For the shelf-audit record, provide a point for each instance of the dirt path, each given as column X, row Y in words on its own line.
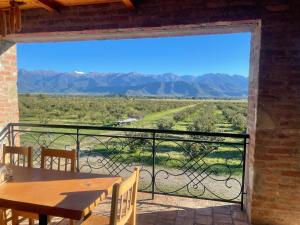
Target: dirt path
column 170, row 180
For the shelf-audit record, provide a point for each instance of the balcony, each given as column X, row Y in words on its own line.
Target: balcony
column 186, row 177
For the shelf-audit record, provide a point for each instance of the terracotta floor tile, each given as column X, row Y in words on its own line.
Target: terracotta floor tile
column 239, row 215
column 222, row 218
column 223, row 224
column 202, row 219
column 204, row 211
column 169, row 210
column 241, row 223
column 222, row 210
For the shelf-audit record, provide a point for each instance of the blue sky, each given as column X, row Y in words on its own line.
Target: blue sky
column 192, row 55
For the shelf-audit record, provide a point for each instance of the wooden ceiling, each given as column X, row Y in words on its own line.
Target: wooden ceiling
column 10, row 10
column 55, row 5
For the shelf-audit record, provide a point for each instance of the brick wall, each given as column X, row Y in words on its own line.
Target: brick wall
column 152, row 18
column 273, row 162
column 9, row 111
column 276, row 137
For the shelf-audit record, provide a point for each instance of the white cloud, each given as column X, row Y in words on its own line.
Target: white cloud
column 79, row 72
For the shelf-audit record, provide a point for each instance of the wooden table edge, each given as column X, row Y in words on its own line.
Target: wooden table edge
column 57, row 211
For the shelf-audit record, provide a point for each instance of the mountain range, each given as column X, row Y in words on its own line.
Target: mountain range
column 132, row 84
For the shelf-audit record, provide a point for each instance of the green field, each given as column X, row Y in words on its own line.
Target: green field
column 227, row 116
column 178, row 114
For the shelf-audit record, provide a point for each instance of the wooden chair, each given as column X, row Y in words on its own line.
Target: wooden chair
column 55, row 159
column 123, row 206
column 17, row 156
column 5, row 216
column 50, row 159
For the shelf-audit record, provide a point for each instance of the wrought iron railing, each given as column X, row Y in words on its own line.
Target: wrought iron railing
column 182, row 163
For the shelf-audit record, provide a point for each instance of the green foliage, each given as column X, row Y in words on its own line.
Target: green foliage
column 195, row 115
column 90, row 109
column 178, row 116
column 165, row 123
column 164, row 114
column 185, row 115
column 236, row 114
column 205, row 119
column 136, row 141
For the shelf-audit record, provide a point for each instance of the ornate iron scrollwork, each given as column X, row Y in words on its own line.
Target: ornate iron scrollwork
column 191, row 164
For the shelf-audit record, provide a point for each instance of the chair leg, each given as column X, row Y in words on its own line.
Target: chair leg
column 15, row 218
column 132, row 218
column 31, row 221
column 72, row 222
column 2, row 217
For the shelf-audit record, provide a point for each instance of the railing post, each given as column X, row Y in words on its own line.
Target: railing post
column 243, row 175
column 153, row 163
column 12, row 135
column 9, row 134
column 78, row 149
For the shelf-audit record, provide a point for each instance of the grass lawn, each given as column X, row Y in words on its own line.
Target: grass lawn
column 150, row 120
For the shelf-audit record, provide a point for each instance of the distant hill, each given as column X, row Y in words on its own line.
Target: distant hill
column 133, row 84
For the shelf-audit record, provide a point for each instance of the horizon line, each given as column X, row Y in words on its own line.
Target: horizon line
column 79, row 72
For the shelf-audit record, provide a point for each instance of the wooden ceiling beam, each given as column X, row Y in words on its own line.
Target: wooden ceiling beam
column 49, row 5
column 129, row 3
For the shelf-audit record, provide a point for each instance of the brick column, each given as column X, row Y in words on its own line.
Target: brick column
column 9, row 111
column 252, row 113
column 274, row 124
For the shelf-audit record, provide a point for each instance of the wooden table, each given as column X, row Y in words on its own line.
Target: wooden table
column 47, row 192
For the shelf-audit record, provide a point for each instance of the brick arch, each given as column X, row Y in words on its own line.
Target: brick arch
column 273, row 169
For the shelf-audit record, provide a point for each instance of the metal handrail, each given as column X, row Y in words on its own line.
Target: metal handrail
column 208, row 138
column 3, row 132
column 141, row 130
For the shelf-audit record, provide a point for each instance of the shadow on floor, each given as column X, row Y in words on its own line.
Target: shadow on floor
column 169, row 210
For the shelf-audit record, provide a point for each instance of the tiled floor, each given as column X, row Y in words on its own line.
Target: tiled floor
column 167, row 210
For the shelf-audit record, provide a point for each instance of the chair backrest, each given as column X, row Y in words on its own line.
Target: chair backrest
column 56, row 159
column 18, row 156
column 123, row 207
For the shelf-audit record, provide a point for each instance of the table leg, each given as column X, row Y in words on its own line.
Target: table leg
column 43, row 219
